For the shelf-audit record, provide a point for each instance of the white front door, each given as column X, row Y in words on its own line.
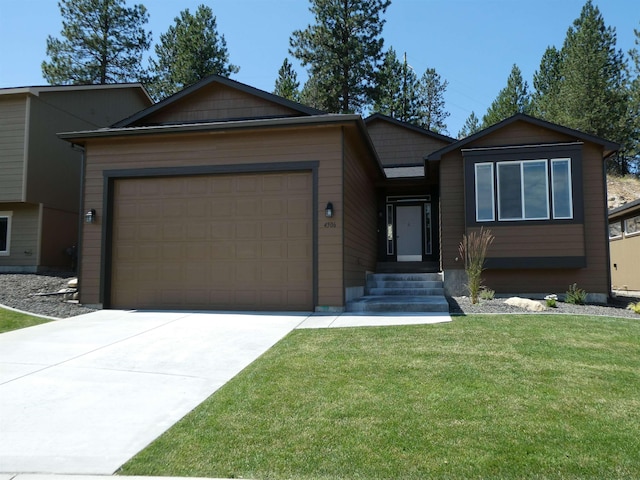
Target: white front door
column 409, row 233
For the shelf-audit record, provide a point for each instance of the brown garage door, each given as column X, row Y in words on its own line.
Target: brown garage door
column 240, row 242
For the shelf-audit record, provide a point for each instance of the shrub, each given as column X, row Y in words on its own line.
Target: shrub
column 487, row 293
column 634, row 307
column 576, row 295
column 473, row 250
column 552, row 301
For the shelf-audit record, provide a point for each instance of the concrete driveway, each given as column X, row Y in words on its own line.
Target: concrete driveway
column 83, row 395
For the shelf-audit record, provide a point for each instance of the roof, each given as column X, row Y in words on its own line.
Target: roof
column 213, row 79
column 625, row 209
column 609, row 147
column 37, row 90
column 410, row 126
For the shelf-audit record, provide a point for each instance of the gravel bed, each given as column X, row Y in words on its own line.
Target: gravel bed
column 17, row 291
column 463, row 305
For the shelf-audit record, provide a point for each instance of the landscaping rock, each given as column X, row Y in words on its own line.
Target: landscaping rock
column 525, row 303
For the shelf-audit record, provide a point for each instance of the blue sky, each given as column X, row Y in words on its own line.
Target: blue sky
column 471, row 43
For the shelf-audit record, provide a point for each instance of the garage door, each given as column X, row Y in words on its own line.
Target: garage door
column 240, row 242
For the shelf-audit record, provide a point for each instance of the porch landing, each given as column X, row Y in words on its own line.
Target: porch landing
column 401, row 292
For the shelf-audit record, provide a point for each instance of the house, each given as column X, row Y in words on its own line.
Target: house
column 227, row 197
column 40, row 174
column 541, row 190
column 624, row 245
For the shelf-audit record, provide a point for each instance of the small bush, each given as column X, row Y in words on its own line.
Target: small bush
column 552, row 301
column 634, row 307
column 576, row 295
column 473, row 250
column 487, row 293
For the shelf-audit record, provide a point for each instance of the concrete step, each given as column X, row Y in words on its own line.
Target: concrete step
column 398, row 303
column 398, row 277
column 398, row 267
column 405, row 291
column 402, row 284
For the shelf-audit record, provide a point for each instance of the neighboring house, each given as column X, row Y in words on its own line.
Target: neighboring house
column 40, row 175
column 624, row 245
column 227, row 197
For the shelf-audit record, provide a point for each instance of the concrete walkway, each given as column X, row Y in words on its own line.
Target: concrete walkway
column 85, row 394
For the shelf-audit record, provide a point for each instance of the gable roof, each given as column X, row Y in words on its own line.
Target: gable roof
column 211, row 80
column 609, row 147
column 410, row 126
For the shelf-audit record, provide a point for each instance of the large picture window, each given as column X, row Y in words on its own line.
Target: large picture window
column 632, row 225
column 5, row 232
column 523, row 190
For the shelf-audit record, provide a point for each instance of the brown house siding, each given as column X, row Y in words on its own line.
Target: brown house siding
column 59, row 232
column 218, row 102
column 180, row 150
column 13, row 118
column 539, row 240
column 398, row 145
column 360, row 230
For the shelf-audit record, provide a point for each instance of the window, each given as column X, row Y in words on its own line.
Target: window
column 632, row 225
column 615, row 230
column 520, row 190
column 5, row 232
column 523, row 190
column 485, row 209
column 561, row 188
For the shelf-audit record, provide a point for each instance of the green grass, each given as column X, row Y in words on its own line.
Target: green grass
column 10, row 320
column 529, row 396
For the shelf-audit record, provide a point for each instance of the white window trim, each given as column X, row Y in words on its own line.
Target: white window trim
column 615, row 237
column 553, row 192
column 522, row 217
column 7, row 215
column 626, row 232
column 493, row 193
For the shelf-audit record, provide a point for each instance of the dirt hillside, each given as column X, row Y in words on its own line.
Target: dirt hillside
column 622, row 190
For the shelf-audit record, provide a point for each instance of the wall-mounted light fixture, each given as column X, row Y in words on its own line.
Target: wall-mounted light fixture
column 328, row 211
column 90, row 216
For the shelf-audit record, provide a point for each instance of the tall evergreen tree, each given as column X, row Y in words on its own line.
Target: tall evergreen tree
column 287, row 84
column 471, row 126
column 189, row 51
column 633, row 145
column 512, row 99
column 592, row 95
column 342, row 51
column 103, row 41
column 431, row 110
column 396, row 94
column 546, row 84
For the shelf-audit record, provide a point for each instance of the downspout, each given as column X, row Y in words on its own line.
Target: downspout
column 82, row 151
column 606, row 227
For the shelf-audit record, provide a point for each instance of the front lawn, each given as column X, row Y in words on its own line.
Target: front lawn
column 10, row 320
column 517, row 396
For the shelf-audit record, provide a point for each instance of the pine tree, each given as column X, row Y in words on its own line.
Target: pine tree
column 592, row 94
column 633, row 144
column 396, row 94
column 431, row 107
column 471, row 126
column 546, row 84
column 189, row 51
column 512, row 99
column 342, row 50
column 103, row 41
column 287, row 84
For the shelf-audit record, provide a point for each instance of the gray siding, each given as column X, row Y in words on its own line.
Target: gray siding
column 25, row 227
column 12, row 140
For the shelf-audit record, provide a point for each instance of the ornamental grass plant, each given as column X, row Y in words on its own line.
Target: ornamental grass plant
column 473, row 250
